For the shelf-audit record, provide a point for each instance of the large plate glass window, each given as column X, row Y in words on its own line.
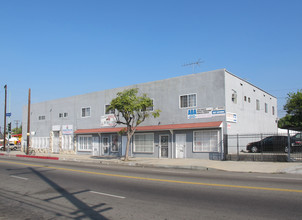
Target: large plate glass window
column 85, row 143
column 187, row 101
column 144, row 143
column 206, row 141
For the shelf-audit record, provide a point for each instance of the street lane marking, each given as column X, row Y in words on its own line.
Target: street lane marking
column 158, row 180
column 18, row 177
column 105, row 194
column 281, row 178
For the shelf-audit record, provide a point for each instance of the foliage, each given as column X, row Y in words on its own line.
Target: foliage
column 293, row 107
column 17, row 130
column 131, row 110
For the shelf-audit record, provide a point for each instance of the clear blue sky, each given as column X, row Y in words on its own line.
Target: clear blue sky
column 61, row 48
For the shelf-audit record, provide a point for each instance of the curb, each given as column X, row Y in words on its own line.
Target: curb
column 29, row 156
column 38, row 157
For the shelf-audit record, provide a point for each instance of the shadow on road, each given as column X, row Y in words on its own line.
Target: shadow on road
column 87, row 211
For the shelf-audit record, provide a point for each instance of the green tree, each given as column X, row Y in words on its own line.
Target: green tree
column 131, row 110
column 17, row 130
column 293, row 107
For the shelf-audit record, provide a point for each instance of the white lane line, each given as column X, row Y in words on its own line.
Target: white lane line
column 281, row 178
column 18, row 177
column 105, row 194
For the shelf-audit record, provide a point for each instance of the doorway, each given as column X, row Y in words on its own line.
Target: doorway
column 180, row 145
column 164, row 146
column 105, row 146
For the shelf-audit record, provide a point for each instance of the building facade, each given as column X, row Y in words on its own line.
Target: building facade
column 197, row 110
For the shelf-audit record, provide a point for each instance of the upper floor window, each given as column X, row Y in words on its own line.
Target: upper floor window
column 150, row 109
column 63, row 115
column 266, row 107
column 234, row 97
column 187, row 101
column 257, row 104
column 273, row 110
column 108, row 111
column 86, row 112
column 42, row 117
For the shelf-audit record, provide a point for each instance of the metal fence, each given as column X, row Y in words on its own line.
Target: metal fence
column 262, row 147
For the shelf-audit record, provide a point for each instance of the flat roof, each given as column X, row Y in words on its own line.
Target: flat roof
column 214, row 124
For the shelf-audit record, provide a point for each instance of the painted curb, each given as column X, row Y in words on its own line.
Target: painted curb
column 38, row 157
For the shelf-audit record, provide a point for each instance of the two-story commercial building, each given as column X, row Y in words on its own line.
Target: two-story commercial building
column 197, row 110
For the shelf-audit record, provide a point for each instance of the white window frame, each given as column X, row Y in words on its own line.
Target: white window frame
column 211, row 149
column 134, row 144
column 150, row 109
column 82, row 148
column 187, row 101
column 105, row 110
column 85, row 112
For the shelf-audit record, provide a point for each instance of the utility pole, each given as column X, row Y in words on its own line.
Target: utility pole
column 28, row 123
column 4, row 135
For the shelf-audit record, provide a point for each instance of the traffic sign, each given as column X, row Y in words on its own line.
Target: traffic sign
column 8, row 114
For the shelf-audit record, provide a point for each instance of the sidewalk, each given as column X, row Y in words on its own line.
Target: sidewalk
column 201, row 164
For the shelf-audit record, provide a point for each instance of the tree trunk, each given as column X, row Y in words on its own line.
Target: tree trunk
column 130, row 133
column 127, row 147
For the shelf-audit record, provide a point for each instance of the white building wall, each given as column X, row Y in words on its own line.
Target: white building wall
column 249, row 119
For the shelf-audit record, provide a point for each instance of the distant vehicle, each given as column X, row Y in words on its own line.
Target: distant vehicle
column 269, row 144
column 11, row 147
column 297, row 139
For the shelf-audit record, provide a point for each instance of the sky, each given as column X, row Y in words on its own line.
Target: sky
column 62, row 48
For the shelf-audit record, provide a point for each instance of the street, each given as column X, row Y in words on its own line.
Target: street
column 42, row 189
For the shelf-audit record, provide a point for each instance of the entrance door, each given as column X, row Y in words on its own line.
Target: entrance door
column 124, row 145
column 164, row 146
column 105, row 144
column 180, row 145
column 95, row 146
column 56, row 142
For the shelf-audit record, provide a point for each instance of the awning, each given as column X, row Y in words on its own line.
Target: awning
column 201, row 125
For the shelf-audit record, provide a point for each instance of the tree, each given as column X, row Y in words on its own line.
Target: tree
column 293, row 107
column 17, row 130
column 131, row 110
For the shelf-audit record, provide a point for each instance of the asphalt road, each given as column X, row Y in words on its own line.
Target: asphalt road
column 42, row 189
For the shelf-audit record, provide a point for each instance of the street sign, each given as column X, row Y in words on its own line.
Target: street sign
column 8, row 114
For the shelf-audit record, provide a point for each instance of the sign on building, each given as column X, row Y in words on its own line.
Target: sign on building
column 205, row 112
column 231, row 117
column 67, row 129
column 108, row 120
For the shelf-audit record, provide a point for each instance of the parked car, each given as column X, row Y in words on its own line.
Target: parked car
column 11, row 147
column 296, row 142
column 269, row 144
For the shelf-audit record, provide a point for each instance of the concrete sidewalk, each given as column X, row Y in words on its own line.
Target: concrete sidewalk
column 201, row 164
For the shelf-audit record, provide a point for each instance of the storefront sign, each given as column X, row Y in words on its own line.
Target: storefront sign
column 67, row 129
column 56, row 127
column 231, row 117
column 204, row 113
column 108, row 120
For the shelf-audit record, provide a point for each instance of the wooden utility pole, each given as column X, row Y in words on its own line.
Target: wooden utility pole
column 28, row 123
column 4, row 135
